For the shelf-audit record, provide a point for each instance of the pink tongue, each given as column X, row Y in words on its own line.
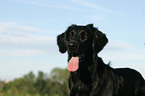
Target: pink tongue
column 73, row 64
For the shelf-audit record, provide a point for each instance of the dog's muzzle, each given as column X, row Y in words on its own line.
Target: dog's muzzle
column 73, row 48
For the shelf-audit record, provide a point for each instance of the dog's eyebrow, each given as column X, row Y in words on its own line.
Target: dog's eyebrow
column 72, row 31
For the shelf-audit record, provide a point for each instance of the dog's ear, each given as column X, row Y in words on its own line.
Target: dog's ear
column 61, row 43
column 99, row 39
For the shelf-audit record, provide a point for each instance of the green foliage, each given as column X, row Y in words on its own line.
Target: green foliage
column 54, row 84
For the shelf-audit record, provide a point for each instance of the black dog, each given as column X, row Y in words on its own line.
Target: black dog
column 94, row 77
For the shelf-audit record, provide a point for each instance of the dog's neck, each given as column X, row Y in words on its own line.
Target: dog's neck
column 94, row 68
column 97, row 67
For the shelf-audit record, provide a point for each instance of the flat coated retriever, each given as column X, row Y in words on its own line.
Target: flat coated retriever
column 89, row 75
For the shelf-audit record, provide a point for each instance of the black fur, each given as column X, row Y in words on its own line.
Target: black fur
column 94, row 77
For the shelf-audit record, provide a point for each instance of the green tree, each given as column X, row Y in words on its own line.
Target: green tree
column 30, row 79
column 54, row 84
column 40, row 83
column 61, row 76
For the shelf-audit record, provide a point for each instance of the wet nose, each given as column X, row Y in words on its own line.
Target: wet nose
column 72, row 45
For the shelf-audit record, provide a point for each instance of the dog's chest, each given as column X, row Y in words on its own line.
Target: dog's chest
column 82, row 89
column 80, row 84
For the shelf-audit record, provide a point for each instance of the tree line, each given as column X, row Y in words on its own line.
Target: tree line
column 54, row 84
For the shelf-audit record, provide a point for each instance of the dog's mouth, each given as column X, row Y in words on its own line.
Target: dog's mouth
column 74, row 53
column 73, row 63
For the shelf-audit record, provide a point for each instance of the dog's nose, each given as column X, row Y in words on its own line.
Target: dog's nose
column 73, row 46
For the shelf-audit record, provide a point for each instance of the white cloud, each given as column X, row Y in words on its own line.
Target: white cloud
column 22, row 40
column 124, row 55
column 21, row 52
column 91, row 5
column 53, row 4
column 117, row 45
column 69, row 5
column 5, row 26
column 13, row 33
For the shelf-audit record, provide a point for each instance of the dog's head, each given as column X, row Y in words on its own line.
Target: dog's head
column 78, row 40
column 82, row 42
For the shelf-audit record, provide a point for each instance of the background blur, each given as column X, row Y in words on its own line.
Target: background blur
column 28, row 30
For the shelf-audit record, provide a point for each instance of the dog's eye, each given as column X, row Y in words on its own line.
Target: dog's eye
column 84, row 35
column 71, row 34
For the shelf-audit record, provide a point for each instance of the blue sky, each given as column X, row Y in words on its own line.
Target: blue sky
column 28, row 30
